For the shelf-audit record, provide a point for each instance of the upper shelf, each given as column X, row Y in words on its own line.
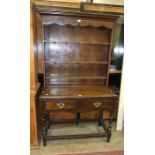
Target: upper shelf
column 93, row 43
column 79, row 62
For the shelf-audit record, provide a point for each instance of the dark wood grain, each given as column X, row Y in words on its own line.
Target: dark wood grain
column 76, row 81
column 77, row 50
column 77, row 92
column 74, row 56
column 74, row 21
column 75, row 69
column 69, row 33
column 40, row 43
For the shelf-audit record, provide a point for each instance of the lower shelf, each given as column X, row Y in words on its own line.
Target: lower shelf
column 77, row 136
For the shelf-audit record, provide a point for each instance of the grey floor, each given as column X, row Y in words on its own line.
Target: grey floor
column 81, row 145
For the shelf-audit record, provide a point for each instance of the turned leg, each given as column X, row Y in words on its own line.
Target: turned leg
column 100, row 118
column 44, row 129
column 78, row 118
column 48, row 120
column 109, row 128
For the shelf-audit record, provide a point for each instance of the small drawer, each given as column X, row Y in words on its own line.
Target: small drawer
column 97, row 103
column 60, row 105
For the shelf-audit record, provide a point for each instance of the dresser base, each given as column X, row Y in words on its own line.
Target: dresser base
column 77, row 100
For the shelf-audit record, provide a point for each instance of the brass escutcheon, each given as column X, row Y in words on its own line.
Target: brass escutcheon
column 97, row 104
column 60, row 105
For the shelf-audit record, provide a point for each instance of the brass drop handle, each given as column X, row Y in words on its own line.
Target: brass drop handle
column 60, row 105
column 97, row 104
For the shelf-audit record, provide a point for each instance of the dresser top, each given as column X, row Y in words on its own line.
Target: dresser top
column 76, row 92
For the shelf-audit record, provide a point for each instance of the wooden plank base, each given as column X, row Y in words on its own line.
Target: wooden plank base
column 76, row 136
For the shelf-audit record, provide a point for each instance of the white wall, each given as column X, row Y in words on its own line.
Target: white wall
column 120, row 116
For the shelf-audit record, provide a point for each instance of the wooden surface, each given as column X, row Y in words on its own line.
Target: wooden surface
column 76, row 92
column 40, row 43
column 86, row 7
column 34, row 118
column 34, row 137
column 34, row 141
column 33, row 50
column 102, row 8
column 47, row 20
column 60, row 4
column 33, row 123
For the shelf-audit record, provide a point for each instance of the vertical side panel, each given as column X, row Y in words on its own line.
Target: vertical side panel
column 33, row 122
column 33, row 80
column 33, row 51
column 40, row 44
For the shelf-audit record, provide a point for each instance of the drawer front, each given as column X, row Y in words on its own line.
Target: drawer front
column 60, row 105
column 88, row 103
column 107, row 104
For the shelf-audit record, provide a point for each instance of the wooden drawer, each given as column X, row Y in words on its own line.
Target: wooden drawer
column 85, row 103
column 107, row 104
column 60, row 105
